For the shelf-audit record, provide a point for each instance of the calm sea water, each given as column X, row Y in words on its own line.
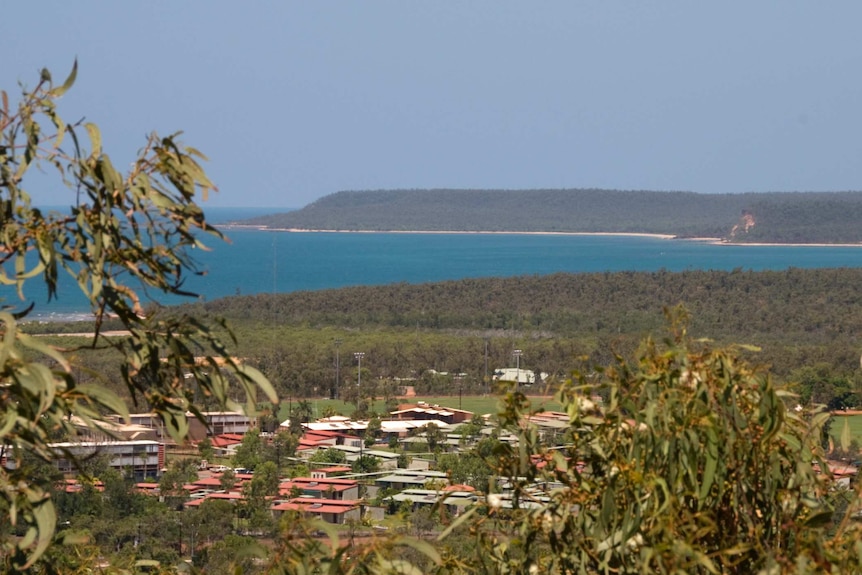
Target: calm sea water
column 267, row 262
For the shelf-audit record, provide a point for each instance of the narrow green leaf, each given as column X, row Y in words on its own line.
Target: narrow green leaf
column 460, row 520
column 46, row 518
column 9, row 335
column 711, row 463
column 60, row 90
column 105, row 397
column 819, row 519
column 36, row 344
column 177, row 427
column 260, row 380
column 422, row 547
column 39, row 380
column 399, row 566
column 846, row 437
column 9, row 420
column 328, row 529
column 749, row 347
column 74, row 538
column 707, row 563
column 95, row 139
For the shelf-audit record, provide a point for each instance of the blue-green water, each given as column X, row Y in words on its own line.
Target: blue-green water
column 266, row 262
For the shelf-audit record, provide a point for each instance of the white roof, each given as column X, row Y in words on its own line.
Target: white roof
column 357, row 450
column 387, row 426
column 514, row 374
column 428, row 410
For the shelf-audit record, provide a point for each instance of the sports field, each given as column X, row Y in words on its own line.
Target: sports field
column 853, row 421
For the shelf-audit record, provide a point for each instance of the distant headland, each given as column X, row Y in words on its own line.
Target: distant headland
column 829, row 218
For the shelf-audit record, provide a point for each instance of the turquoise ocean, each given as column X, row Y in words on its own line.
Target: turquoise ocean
column 258, row 261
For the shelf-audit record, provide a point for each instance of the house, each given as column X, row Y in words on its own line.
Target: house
column 425, row 412
column 148, row 488
column 230, row 497
column 386, row 459
column 321, row 488
column 331, row 471
column 329, row 510
column 453, row 500
column 411, row 479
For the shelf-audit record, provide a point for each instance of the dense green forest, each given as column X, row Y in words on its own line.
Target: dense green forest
column 783, row 217
column 806, row 322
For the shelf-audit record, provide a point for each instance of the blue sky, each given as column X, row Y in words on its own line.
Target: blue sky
column 296, row 100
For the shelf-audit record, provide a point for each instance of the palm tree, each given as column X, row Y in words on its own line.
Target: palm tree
column 304, row 411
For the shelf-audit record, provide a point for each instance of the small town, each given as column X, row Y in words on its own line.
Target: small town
column 430, row 288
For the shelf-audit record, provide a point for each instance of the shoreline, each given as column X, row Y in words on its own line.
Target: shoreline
column 708, row 240
column 451, row 232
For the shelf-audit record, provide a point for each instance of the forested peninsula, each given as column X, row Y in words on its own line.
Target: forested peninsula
column 773, row 217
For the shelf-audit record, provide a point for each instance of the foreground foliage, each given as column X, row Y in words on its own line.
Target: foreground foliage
column 692, row 462
column 124, row 238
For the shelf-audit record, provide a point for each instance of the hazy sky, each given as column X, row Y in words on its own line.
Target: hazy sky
column 296, row 100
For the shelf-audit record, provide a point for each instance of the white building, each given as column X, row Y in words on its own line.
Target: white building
column 522, row 376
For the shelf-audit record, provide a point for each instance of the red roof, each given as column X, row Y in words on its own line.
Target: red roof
column 231, row 496
column 74, row 486
column 310, row 505
column 149, row 488
column 459, row 487
column 322, row 434
column 325, row 480
column 334, row 469
column 310, row 443
column 208, row 482
column 322, row 484
column 226, row 440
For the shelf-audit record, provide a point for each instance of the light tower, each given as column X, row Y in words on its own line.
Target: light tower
column 359, row 355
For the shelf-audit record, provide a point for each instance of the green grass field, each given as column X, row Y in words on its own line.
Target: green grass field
column 854, row 422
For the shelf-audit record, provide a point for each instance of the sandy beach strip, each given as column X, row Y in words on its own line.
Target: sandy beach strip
column 452, row 232
column 709, row 240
